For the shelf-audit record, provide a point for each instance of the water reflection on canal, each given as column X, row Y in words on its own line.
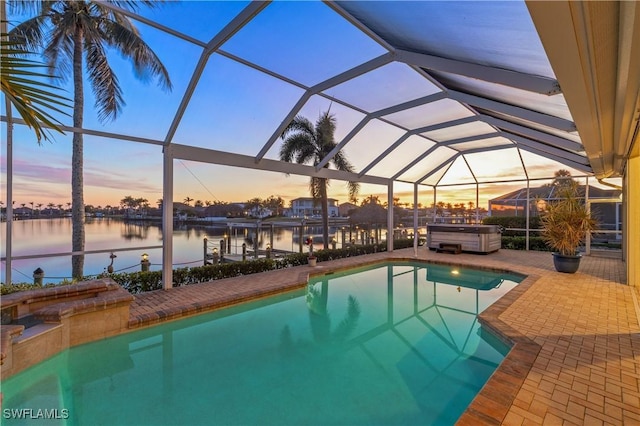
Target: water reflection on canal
column 43, row 236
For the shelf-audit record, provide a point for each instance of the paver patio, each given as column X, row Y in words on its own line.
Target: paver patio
column 577, row 354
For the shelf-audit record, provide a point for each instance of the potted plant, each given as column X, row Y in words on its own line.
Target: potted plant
column 565, row 224
column 312, row 259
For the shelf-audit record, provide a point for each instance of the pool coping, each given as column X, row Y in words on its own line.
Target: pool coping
column 491, row 405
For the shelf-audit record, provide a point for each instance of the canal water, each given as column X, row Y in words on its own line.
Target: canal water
column 128, row 241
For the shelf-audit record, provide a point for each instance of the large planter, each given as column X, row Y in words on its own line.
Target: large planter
column 566, row 263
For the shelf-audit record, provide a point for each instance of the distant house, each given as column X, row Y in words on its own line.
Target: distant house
column 605, row 203
column 224, row 210
column 345, row 209
column 305, row 207
column 22, row 212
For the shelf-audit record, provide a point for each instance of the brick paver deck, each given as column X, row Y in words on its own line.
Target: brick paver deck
column 576, row 358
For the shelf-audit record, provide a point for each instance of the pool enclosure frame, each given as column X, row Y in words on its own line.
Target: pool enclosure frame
column 602, row 101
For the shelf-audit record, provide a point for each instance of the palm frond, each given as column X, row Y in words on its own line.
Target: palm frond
column 325, row 130
column 29, row 33
column 134, row 5
column 354, row 189
column 293, row 145
column 350, row 322
column 307, row 153
column 59, row 52
column 341, row 162
column 30, row 6
column 314, row 189
column 299, row 124
column 104, row 82
column 34, row 100
column 129, row 43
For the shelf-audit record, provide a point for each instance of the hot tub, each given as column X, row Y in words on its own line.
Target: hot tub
column 472, row 238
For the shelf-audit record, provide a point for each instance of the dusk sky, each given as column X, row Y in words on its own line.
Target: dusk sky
column 236, row 109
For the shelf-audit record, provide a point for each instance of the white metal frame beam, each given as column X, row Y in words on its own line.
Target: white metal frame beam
column 540, row 146
column 466, row 139
column 386, row 152
column 91, row 132
column 210, row 156
column 343, row 142
column 447, row 124
column 530, row 133
column 561, row 160
column 236, row 24
column 418, row 131
column 488, row 148
column 320, row 87
column 528, row 82
column 414, row 162
column 514, row 111
column 380, row 113
column 576, row 161
column 153, row 24
column 410, row 104
column 448, row 163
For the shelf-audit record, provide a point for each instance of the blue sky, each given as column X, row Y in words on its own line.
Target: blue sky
column 234, row 108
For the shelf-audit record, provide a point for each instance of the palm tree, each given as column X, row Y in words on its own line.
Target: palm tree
column 70, row 31
column 187, row 200
column 304, row 143
column 371, row 199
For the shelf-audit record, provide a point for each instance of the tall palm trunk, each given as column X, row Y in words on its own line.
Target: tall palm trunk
column 325, row 212
column 77, row 180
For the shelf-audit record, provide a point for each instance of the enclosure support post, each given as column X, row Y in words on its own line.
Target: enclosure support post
column 477, row 202
column 9, row 208
column 300, row 236
column 587, row 203
column 390, row 216
column 204, row 256
column 527, row 206
column 9, row 160
column 415, row 220
column 435, row 206
column 167, row 218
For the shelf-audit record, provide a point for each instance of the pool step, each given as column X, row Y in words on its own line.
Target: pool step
column 36, row 331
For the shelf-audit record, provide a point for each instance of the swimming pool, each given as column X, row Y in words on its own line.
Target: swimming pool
column 393, row 343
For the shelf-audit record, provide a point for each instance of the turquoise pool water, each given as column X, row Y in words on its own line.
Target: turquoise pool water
column 395, row 343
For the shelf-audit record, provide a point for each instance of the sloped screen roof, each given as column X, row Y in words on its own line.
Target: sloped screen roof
column 415, row 86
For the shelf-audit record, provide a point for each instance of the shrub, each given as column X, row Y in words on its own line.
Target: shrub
column 16, row 287
column 520, row 243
